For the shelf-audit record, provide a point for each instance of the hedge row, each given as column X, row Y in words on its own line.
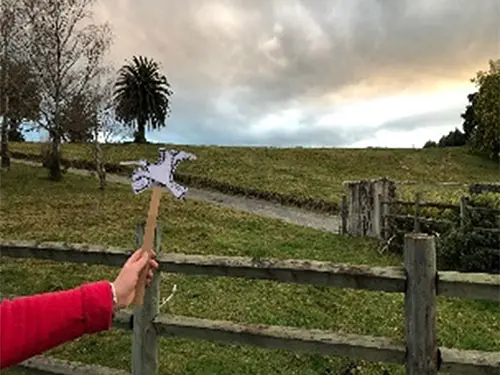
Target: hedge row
column 308, row 203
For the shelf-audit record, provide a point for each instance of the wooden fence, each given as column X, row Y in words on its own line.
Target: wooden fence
column 464, row 209
column 418, row 280
column 366, row 209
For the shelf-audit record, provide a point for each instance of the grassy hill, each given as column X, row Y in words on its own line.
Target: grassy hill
column 295, row 174
column 33, row 208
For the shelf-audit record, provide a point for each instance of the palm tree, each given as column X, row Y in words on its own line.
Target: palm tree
column 142, row 96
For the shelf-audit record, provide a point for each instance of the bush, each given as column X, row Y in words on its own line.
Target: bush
column 468, row 250
column 15, row 135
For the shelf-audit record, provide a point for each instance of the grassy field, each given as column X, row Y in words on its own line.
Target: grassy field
column 311, row 173
column 75, row 211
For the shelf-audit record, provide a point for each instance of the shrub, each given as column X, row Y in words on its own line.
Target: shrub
column 15, row 135
column 468, row 250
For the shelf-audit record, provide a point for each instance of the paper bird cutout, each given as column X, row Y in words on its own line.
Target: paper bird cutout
column 160, row 173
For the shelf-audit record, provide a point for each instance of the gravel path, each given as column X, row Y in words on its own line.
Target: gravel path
column 322, row 222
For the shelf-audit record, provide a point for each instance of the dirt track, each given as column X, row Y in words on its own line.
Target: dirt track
column 323, row 222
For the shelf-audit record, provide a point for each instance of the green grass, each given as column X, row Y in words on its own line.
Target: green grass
column 315, row 173
column 75, row 211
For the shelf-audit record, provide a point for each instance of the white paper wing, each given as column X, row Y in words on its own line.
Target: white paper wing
column 140, row 181
column 177, row 190
column 138, row 162
column 180, row 156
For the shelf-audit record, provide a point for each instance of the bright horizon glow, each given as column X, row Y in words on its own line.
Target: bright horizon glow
column 374, row 112
column 361, row 115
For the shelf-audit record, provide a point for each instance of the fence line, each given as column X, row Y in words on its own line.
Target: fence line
column 463, row 208
column 50, row 365
column 420, row 353
column 366, row 205
column 423, row 204
column 473, row 188
column 433, row 183
column 311, row 272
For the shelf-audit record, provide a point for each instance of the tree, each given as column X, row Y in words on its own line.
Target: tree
column 11, row 41
column 485, row 137
column 66, row 51
column 430, row 144
column 142, row 96
column 23, row 98
column 454, row 138
column 103, row 125
column 78, row 118
column 470, row 120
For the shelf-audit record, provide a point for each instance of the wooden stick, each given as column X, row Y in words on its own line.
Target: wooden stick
column 148, row 241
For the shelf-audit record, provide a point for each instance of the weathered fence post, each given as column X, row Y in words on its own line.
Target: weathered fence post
column 343, row 215
column 420, row 304
column 463, row 210
column 144, row 340
column 364, row 210
column 384, row 210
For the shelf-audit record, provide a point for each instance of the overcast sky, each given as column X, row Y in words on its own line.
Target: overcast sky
column 341, row 73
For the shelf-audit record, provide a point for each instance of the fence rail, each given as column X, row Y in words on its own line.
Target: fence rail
column 422, row 204
column 419, row 218
column 377, row 349
column 420, row 352
column 385, row 279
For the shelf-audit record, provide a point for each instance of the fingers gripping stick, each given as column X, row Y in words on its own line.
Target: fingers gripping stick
column 158, row 176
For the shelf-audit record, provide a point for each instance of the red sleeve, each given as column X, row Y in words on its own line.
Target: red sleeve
column 31, row 325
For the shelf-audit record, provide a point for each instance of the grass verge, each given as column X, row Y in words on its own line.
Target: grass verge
column 75, row 211
column 309, row 178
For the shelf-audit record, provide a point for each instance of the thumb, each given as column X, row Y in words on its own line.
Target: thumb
column 141, row 262
column 136, row 255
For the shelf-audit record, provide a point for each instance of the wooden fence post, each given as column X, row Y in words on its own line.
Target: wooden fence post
column 382, row 216
column 144, row 339
column 343, row 215
column 463, row 210
column 420, row 304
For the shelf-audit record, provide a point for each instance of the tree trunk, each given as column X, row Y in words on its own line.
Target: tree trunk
column 4, row 147
column 55, row 172
column 5, row 144
column 140, row 134
column 99, row 163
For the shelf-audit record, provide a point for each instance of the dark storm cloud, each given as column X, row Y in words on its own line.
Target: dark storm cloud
column 266, row 55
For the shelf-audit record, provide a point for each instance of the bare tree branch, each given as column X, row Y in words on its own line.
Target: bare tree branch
column 67, row 50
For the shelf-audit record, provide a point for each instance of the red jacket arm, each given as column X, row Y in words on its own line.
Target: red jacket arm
column 31, row 325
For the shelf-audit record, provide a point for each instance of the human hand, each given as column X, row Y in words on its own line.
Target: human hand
column 126, row 281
